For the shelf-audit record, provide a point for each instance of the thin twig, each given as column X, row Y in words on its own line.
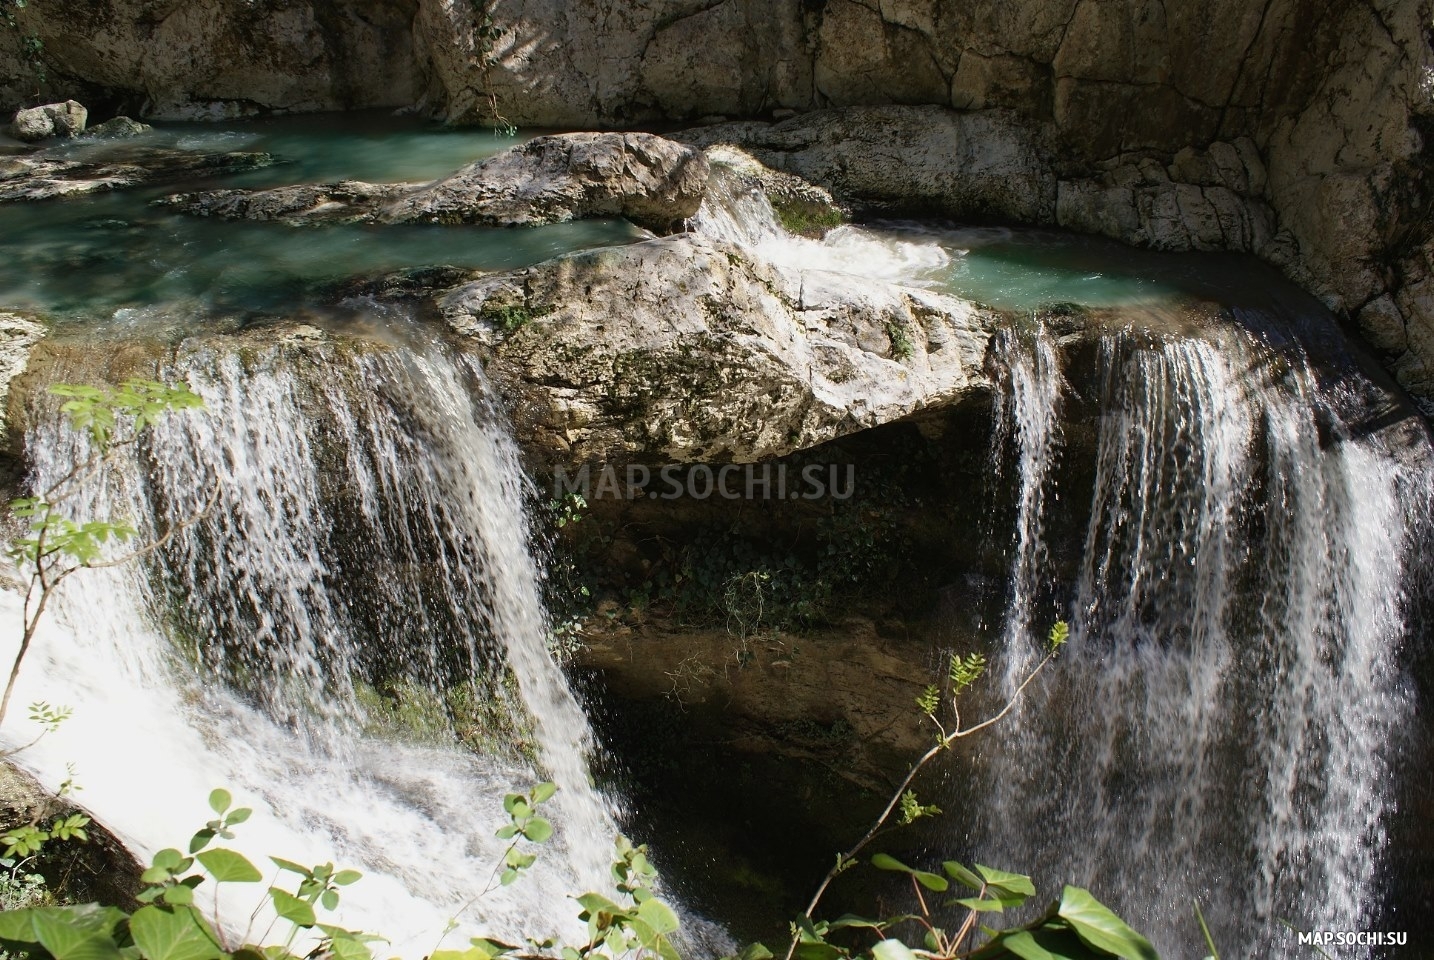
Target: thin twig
column 942, row 744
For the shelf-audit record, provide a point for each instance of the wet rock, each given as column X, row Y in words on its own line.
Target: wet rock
column 654, row 182
column 350, row 201
column 18, row 336
column 119, row 128
column 45, row 176
column 711, row 355
column 804, row 208
column 51, row 120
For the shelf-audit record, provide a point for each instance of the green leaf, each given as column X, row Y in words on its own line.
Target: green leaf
column 170, row 860
column 68, row 933
column 290, row 866
column 350, row 950
column 1094, row 923
column 884, row 861
column 892, row 950
column 226, row 866
column 237, row 816
column 220, row 800
column 178, row 895
column 659, row 916
column 1047, row 945
column 818, row 950
column 163, row 933
column 538, row 830
column 201, row 840
column 931, row 881
column 1015, row 884
column 293, row 909
column 330, row 899
column 755, row 951
column 981, row 905
column 962, row 875
column 544, row 791
column 345, row 877
column 16, row 927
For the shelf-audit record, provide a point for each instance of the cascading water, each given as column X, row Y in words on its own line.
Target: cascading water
column 742, row 215
column 368, row 531
column 1220, row 728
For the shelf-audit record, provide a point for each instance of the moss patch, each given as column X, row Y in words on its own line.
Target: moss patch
column 806, row 218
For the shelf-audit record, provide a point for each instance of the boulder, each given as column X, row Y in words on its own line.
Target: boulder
column 18, row 337
column 685, row 349
column 654, row 182
column 51, row 120
column 118, row 128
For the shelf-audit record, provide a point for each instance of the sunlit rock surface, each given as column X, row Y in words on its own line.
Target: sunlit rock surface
column 653, row 182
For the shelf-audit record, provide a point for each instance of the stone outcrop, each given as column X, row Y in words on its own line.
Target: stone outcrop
column 651, row 181
column 47, row 176
column 990, row 165
column 684, row 349
column 214, row 59
column 51, row 120
column 18, row 336
column 908, row 158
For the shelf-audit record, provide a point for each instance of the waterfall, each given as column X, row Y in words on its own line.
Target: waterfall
column 1220, row 728
column 736, row 213
column 368, row 531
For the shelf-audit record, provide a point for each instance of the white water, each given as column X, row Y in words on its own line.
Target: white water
column 744, row 216
column 1218, row 729
column 370, row 518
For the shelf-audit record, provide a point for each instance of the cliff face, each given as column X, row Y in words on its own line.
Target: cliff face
column 1296, row 129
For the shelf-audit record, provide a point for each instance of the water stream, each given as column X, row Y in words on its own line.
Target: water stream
column 1224, row 725
column 369, row 530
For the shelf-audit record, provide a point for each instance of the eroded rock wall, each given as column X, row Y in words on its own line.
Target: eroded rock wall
column 210, row 59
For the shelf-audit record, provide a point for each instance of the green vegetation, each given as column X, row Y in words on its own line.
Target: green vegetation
column 486, row 34
column 56, row 547
column 511, row 317
column 901, row 345
column 630, row 923
column 32, row 48
column 484, row 715
column 805, row 218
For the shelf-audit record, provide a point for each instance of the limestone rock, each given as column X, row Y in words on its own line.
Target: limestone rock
column 43, row 176
column 213, row 59
column 1383, row 325
column 51, row 120
column 709, row 354
column 119, row 128
column 654, row 182
column 18, row 337
column 983, row 164
column 349, row 201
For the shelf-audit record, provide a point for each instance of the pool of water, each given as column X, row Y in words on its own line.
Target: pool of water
column 88, row 258
column 117, row 256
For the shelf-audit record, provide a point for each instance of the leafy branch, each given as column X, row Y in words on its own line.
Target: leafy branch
column 56, row 547
column 962, row 672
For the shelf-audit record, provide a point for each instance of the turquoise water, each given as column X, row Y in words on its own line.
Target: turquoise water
column 86, row 258
column 110, row 255
column 1029, row 268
